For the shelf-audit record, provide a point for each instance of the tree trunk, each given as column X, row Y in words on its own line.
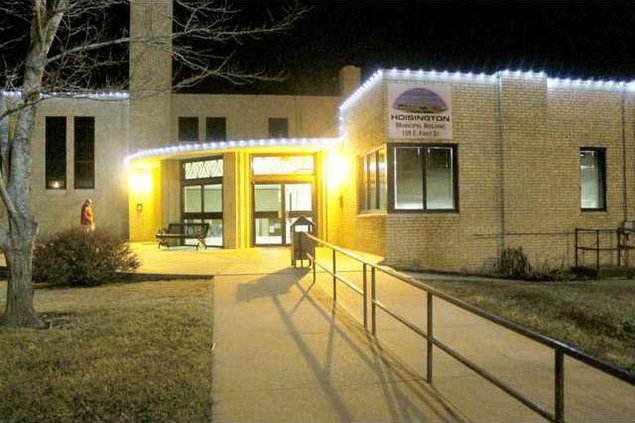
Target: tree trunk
column 19, row 310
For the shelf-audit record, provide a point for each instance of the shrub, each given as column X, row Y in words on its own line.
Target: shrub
column 78, row 258
column 513, row 263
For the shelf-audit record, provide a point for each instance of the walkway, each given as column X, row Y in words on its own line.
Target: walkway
column 283, row 354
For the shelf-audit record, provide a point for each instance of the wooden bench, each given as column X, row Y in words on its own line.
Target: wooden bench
column 183, row 231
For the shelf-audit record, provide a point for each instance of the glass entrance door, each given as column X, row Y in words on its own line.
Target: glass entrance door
column 276, row 207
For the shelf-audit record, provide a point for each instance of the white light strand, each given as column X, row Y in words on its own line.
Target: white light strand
column 408, row 74
column 365, row 87
column 223, row 145
column 101, row 95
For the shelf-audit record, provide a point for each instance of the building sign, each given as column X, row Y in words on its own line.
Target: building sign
column 419, row 111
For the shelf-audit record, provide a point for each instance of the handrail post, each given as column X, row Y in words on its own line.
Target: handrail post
column 618, row 239
column 300, row 251
column 430, row 339
column 373, row 298
column 334, row 278
column 365, row 291
column 597, row 251
column 577, row 264
column 313, row 262
column 559, row 387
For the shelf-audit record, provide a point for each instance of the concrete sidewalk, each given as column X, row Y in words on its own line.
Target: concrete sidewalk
column 282, row 355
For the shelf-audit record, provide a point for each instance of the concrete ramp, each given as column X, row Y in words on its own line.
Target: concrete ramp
column 283, row 354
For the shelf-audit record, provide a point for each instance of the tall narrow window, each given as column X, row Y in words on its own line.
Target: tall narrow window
column 383, row 185
column 188, row 129
column 84, row 152
column 439, row 178
column 593, row 179
column 215, row 129
column 202, row 196
column 372, row 189
column 278, row 127
column 55, row 152
column 425, row 178
column 408, row 178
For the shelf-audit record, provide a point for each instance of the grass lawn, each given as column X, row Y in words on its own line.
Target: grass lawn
column 598, row 317
column 125, row 352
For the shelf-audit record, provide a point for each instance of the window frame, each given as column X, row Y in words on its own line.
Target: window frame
column 364, row 186
column 391, row 148
column 48, row 147
column 283, row 176
column 215, row 180
column 178, row 128
column 76, row 146
column 278, row 119
column 208, row 120
column 601, row 151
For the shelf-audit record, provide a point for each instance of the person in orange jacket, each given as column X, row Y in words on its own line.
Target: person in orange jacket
column 87, row 219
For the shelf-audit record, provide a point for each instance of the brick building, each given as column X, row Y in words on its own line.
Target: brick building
column 433, row 170
column 519, row 159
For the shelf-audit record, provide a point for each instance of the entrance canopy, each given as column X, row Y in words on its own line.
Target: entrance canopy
column 249, row 191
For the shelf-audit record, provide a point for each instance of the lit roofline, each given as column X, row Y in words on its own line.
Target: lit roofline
column 99, row 95
column 478, row 77
column 224, row 145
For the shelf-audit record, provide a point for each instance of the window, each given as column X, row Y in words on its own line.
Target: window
column 188, row 129
column 373, row 183
column 282, row 165
column 593, row 179
column 84, row 152
column 203, row 169
column 278, row 127
column 425, row 178
column 55, row 152
column 215, row 129
column 202, row 196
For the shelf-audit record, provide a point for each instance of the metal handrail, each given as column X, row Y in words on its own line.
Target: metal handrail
column 596, row 248
column 560, row 348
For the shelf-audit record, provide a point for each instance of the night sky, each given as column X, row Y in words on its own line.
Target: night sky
column 563, row 38
column 569, row 39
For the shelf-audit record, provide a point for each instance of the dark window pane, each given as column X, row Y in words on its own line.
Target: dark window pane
column 55, row 152
column 372, row 182
column 364, row 185
column 592, row 179
column 84, row 152
column 439, row 178
column 408, row 178
column 215, row 129
column 383, row 185
column 278, row 127
column 188, row 129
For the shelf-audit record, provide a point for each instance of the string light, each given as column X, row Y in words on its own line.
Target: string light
column 100, row 95
column 407, row 74
column 222, row 145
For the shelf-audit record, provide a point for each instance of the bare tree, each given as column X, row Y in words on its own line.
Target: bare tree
column 66, row 45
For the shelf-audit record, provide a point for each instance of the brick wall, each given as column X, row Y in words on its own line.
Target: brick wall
column 59, row 209
column 518, row 139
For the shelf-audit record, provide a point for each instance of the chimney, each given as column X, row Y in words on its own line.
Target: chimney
column 350, row 79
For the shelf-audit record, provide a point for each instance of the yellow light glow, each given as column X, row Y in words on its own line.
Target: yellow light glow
column 140, row 182
column 338, row 170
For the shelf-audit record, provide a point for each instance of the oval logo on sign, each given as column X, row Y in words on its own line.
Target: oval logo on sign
column 420, row 100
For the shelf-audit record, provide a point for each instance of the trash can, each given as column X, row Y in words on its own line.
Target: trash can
column 301, row 246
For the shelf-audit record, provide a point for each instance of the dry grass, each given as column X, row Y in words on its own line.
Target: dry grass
column 596, row 316
column 126, row 352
